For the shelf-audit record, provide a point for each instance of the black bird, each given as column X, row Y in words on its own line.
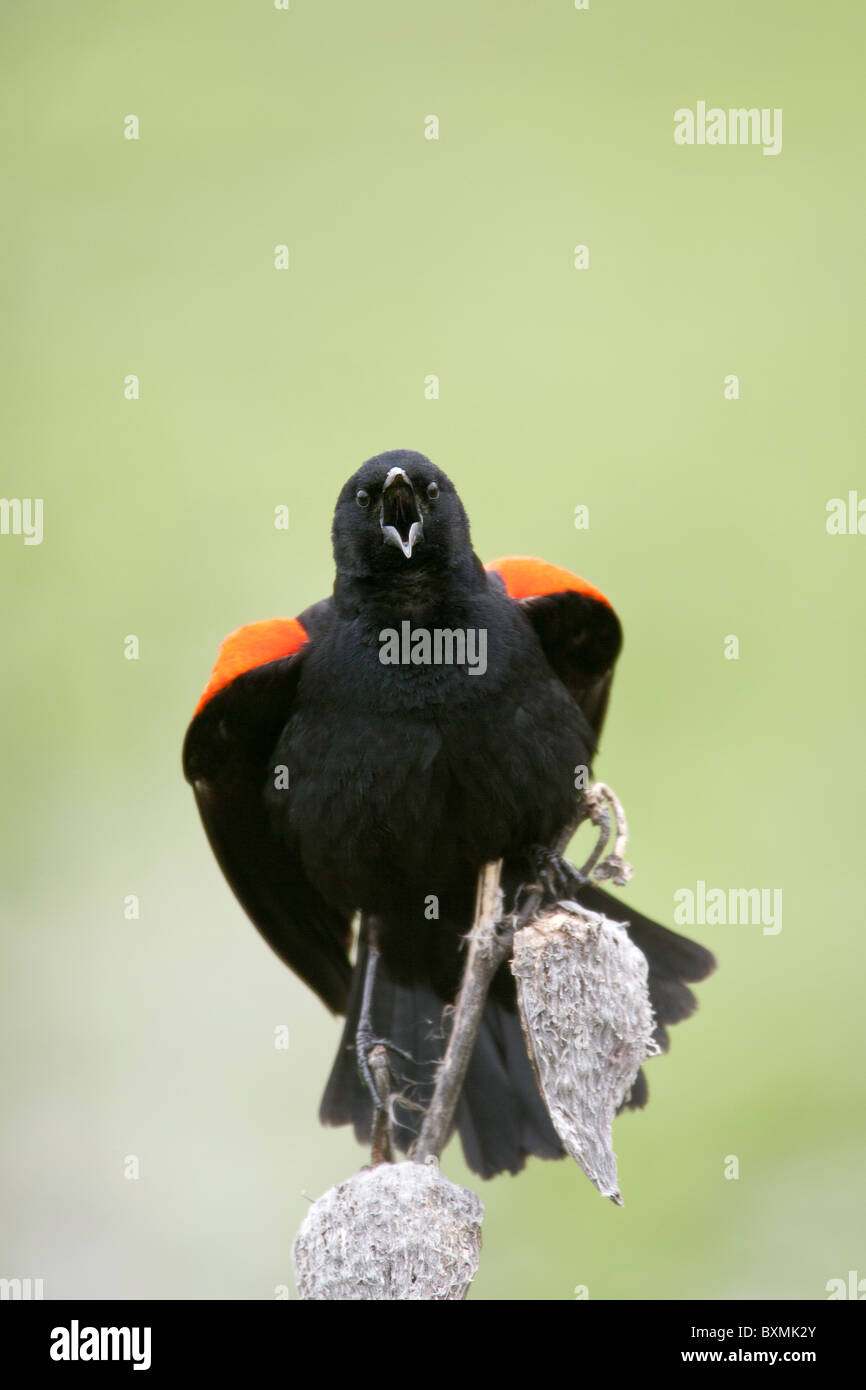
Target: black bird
column 341, row 768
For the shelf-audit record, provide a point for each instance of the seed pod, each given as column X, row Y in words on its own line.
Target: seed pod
column 394, row 1232
column 588, row 1021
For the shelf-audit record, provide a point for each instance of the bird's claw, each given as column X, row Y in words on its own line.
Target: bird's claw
column 557, row 878
column 365, row 1042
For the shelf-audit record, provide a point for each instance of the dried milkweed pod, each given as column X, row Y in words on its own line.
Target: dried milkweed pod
column 586, row 1014
column 394, row 1232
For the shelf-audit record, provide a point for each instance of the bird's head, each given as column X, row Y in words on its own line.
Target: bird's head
column 399, row 516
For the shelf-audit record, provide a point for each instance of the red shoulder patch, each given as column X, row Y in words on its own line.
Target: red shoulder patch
column 251, row 646
column 526, row 577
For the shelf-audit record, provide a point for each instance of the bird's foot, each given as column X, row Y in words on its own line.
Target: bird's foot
column 365, row 1044
column 371, row 1055
column 557, row 879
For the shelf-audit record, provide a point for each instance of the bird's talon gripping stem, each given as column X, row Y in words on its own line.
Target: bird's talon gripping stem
column 557, row 878
column 371, row 1056
column 365, row 1042
column 552, row 871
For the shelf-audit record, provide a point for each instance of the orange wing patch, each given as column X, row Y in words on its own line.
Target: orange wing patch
column 526, row 577
column 251, row 646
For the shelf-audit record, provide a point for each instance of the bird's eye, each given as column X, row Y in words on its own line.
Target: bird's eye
column 432, row 491
column 362, row 498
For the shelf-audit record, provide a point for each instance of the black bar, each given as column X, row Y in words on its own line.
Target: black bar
column 226, row 1337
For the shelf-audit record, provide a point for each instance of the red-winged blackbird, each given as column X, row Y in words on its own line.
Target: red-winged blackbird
column 335, row 774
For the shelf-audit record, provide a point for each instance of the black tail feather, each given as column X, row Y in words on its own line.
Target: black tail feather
column 672, row 959
column 501, row 1117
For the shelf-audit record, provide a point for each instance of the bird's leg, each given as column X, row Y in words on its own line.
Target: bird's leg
column 596, row 812
column 371, row 1055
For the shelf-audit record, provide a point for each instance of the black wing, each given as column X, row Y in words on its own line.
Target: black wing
column 582, row 638
column 228, row 756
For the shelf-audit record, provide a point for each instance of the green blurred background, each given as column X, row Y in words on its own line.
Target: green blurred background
column 558, row 387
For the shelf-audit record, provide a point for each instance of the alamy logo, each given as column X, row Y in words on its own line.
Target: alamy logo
column 21, row 1290
column 717, row 907
column 855, row 1287
column 846, row 518
column 438, row 646
column 76, row 1343
column 739, row 125
column 22, row 516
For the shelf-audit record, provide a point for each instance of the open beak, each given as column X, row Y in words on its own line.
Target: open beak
column 401, row 521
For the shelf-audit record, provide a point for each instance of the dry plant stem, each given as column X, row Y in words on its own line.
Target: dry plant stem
column 614, row 865
column 488, row 948
column 599, row 817
column 616, row 806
